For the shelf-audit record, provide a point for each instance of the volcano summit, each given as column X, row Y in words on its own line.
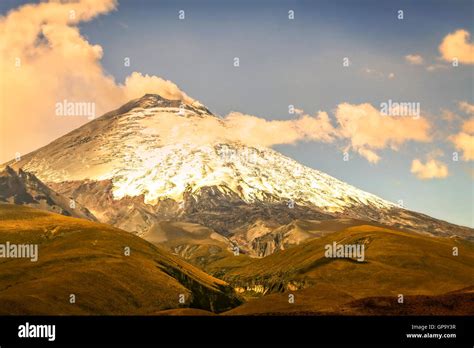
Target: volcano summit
column 152, row 160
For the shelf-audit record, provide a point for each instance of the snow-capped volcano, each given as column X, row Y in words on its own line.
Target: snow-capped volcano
column 152, row 159
column 129, row 150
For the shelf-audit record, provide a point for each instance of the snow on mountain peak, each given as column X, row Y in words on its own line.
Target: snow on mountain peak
column 253, row 173
column 138, row 148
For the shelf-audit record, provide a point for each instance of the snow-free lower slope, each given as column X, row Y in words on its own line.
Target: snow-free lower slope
column 22, row 188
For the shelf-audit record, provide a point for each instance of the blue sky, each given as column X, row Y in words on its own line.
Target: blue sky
column 299, row 62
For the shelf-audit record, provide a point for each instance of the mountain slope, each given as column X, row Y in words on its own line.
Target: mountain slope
column 262, row 241
column 127, row 148
column 196, row 244
column 396, row 262
column 26, row 189
column 129, row 160
column 88, row 259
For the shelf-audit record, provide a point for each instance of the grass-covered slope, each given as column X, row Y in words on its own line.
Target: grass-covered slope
column 88, row 259
column 395, row 263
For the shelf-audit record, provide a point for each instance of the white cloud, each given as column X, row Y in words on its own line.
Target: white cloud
column 466, row 107
column 414, row 59
column 44, row 59
column 431, row 169
column 368, row 130
column 464, row 140
column 436, row 67
column 457, row 45
column 378, row 74
column 248, row 129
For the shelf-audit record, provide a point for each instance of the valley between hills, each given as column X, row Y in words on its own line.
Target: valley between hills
column 195, row 274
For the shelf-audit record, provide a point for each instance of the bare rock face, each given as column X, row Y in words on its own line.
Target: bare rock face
column 24, row 188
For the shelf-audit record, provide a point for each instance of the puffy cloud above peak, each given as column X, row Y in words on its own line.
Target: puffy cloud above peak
column 360, row 128
column 21, row 27
column 137, row 85
column 431, row 169
column 464, row 140
column 247, row 129
column 457, row 45
column 251, row 129
column 368, row 130
column 43, row 50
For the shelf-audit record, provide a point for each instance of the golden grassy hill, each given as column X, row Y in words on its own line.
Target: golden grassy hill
column 87, row 259
column 395, row 263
